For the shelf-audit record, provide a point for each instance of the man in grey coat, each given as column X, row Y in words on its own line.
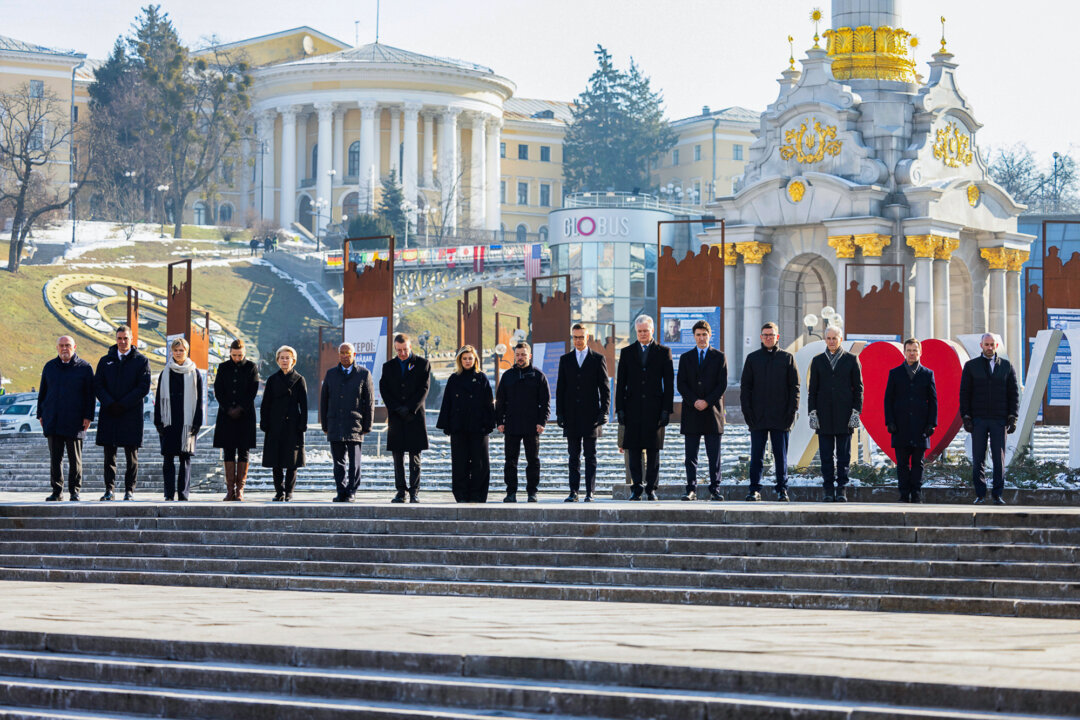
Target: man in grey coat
column 346, row 408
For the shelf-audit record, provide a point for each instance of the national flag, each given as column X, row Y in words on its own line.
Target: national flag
column 478, row 258
column 532, row 261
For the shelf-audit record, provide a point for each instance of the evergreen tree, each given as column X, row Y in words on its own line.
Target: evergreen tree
column 618, row 128
column 365, row 226
column 393, row 197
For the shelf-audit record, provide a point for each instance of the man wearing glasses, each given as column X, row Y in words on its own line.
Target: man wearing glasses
column 769, row 394
column 582, row 398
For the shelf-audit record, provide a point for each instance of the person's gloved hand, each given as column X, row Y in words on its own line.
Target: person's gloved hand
column 402, row 411
column 812, row 419
column 560, row 421
column 1010, row 425
column 116, row 408
column 854, row 422
column 891, row 429
column 235, row 412
column 928, row 430
column 665, row 416
column 622, row 417
column 969, row 425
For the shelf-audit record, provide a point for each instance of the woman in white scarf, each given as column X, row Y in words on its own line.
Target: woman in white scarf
column 178, row 415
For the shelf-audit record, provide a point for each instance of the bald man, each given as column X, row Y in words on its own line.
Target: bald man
column 65, row 411
column 346, row 408
column 989, row 407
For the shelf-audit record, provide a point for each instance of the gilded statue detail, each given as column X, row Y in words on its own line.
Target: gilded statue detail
column 808, row 145
column 952, row 146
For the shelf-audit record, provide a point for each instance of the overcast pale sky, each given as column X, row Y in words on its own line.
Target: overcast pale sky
column 1014, row 57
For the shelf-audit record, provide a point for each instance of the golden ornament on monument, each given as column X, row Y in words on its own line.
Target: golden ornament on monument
column 952, row 146
column 973, row 195
column 796, row 190
column 808, row 145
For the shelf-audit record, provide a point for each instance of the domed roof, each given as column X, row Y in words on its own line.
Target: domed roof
column 380, row 54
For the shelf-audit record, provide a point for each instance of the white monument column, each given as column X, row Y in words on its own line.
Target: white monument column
column 429, row 150
column 477, row 172
column 492, row 177
column 409, row 156
column 925, row 247
column 448, row 167
column 339, row 147
column 752, row 253
column 265, row 160
column 287, row 212
column 301, row 149
column 326, row 153
column 395, row 142
column 376, row 149
column 244, row 173
column 1013, row 293
column 997, row 258
column 942, row 287
column 367, row 154
column 845, row 253
column 731, row 342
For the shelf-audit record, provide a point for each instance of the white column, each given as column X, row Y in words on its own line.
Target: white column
column 942, row 320
column 395, row 142
column 265, row 160
column 287, row 211
column 998, row 300
column 731, row 343
column 301, row 148
column 408, row 173
column 924, row 298
column 477, row 173
column 493, row 175
column 367, row 153
column 751, row 310
column 429, row 150
column 376, row 150
column 323, row 187
column 339, row 147
column 244, row 173
column 1015, row 341
column 448, row 172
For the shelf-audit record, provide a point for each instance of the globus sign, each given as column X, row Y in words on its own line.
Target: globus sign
column 587, row 225
column 605, row 225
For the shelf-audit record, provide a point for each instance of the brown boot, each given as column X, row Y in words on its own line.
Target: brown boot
column 240, row 480
column 230, row 479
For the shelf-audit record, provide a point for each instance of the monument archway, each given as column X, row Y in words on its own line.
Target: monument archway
column 807, row 284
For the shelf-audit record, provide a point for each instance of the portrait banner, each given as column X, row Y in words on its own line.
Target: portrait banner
column 677, row 330
column 368, row 336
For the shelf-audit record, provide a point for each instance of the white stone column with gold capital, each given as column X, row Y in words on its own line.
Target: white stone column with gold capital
column 942, row 287
column 409, row 155
column 753, row 253
column 477, row 173
column 731, row 342
column 367, row 155
column 872, row 246
column 924, row 246
column 845, row 253
column 449, row 178
column 287, row 211
column 493, row 176
column 998, row 259
column 395, row 142
column 1013, row 292
column 428, row 177
column 338, row 162
column 323, row 185
column 264, row 159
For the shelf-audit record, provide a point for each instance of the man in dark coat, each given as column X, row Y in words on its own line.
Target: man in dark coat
column 989, row 407
column 522, row 409
column 911, row 418
column 346, row 408
column 702, row 381
column 121, row 382
column 65, row 410
column 582, row 399
column 404, row 386
column 644, row 399
column 834, row 400
column 769, row 395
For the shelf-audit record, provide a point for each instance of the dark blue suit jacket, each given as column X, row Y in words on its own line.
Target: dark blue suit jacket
column 911, row 406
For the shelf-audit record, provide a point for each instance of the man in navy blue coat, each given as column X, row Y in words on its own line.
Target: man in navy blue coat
column 65, row 411
column 121, row 382
column 911, row 418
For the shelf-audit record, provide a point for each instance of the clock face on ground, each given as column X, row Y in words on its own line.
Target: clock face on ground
column 92, row 306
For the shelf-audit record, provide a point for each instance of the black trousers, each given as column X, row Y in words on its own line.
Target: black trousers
column 57, row 446
column 178, row 484
column 712, row 451
column 131, row 467
column 470, row 472
column 575, row 444
column 235, row 454
column 414, row 472
column 652, row 469
column 909, row 467
column 532, row 463
column 341, row 452
column 835, row 451
column 284, row 480
column 779, row 440
column 993, row 430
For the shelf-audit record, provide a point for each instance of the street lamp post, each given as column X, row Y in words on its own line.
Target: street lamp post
column 409, row 209
column 74, row 215
column 320, row 203
column 1057, row 194
column 162, row 189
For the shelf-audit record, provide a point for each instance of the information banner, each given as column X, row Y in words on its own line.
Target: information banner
column 546, row 359
column 677, row 331
column 368, row 336
column 1057, row 389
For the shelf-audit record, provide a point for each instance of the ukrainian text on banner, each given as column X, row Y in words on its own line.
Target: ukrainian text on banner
column 677, row 330
column 546, row 359
column 1057, row 390
column 368, row 336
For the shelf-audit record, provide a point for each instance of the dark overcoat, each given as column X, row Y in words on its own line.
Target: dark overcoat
column 708, row 382
column 169, row 437
column 66, row 397
column 347, row 404
column 283, row 418
column 121, row 386
column 467, row 405
column 404, row 392
column 769, row 390
column 911, row 406
column 235, row 387
column 834, row 393
column 522, row 401
column 644, row 392
column 986, row 395
column 583, row 394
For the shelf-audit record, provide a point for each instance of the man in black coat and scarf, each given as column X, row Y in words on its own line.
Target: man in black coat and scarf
column 834, row 400
column 582, row 399
column 522, row 409
column 644, row 399
column 65, row 410
column 702, row 381
column 346, row 408
column 769, row 394
column 121, row 382
column 911, row 416
column 989, row 407
column 404, row 386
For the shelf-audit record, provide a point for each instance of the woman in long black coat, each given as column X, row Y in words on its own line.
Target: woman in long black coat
column 468, row 417
column 235, row 387
column 283, row 419
column 178, row 416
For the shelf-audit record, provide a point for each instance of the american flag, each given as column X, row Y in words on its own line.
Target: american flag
column 478, row 258
column 532, row 261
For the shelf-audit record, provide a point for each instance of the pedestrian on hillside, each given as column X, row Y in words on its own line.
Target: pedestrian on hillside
column 178, row 417
column 65, row 410
column 834, row 400
column 911, row 418
column 121, row 382
column 404, row 385
column 702, row 382
column 769, row 394
column 346, row 408
column 989, row 407
column 283, row 418
column 268, row 244
column 522, row 409
column 644, row 399
column 582, row 403
column 235, row 387
column 467, row 415
column 254, row 245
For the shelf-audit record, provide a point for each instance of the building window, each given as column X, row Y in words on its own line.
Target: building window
column 736, row 152
column 523, row 152
column 674, row 157
column 75, row 114
column 199, row 211
column 37, row 138
column 697, row 153
column 37, row 88
column 523, row 193
column 354, row 159
column 545, row 196
column 315, row 160
column 502, row 192
column 545, row 153
column 522, row 233
column 544, row 234
column 502, row 149
column 225, row 213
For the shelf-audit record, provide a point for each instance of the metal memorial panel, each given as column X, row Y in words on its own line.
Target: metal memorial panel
column 874, row 302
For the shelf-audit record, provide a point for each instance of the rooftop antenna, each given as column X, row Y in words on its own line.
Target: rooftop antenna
column 377, row 4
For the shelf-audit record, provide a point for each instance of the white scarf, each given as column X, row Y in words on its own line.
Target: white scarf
column 191, row 397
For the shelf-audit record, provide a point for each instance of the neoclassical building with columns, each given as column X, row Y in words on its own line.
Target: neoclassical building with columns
column 865, row 191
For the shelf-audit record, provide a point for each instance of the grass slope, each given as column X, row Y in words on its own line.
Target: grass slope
column 441, row 318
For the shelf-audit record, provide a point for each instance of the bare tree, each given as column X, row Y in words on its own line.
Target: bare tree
column 1051, row 189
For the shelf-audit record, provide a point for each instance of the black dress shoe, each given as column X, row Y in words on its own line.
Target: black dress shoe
column 588, row 498
column 690, row 496
column 782, row 496
column 337, row 498
column 827, row 496
column 74, row 497
column 572, row 497
column 281, row 498
column 510, row 498
column 54, row 497
column 635, row 495
column 350, row 498
column 400, row 497
column 651, row 495
column 414, row 497
column 288, row 497
column 169, row 498
column 532, row 497
column 129, row 495
column 753, row 496
column 715, row 495
column 840, row 495
column 980, row 501
column 998, row 500
column 915, row 498
column 108, row 495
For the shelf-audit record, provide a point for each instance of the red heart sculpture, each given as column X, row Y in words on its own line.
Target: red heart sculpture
column 945, row 358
